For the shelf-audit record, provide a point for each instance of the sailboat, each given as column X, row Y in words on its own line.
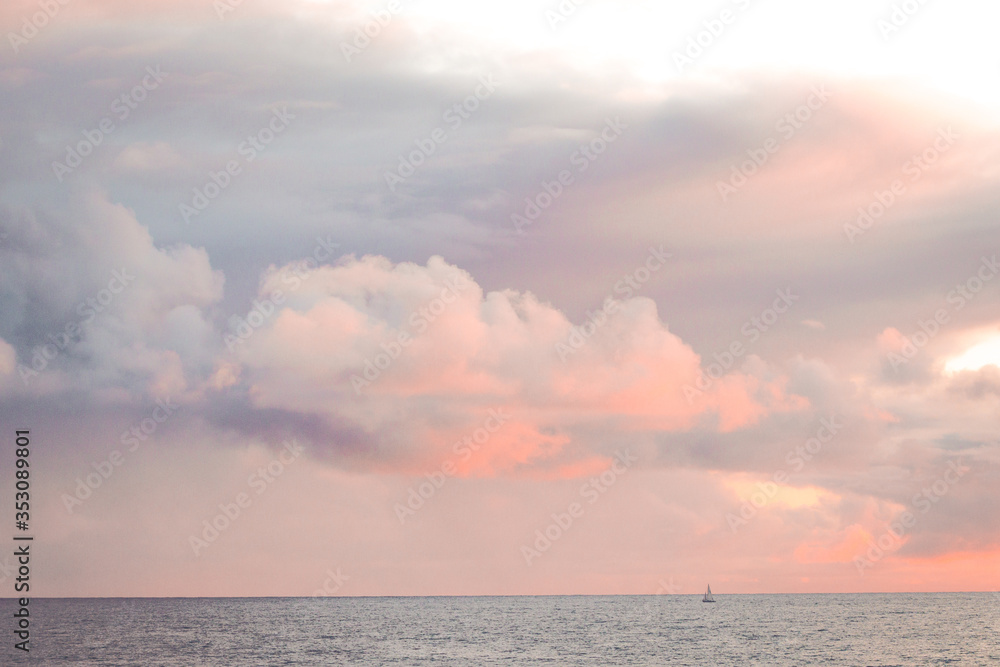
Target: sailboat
column 708, row 595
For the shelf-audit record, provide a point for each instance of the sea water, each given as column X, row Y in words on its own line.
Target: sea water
column 862, row 629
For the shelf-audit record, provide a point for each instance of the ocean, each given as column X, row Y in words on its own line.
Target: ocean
column 859, row 629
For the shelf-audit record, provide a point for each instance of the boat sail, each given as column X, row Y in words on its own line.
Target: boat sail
column 708, row 595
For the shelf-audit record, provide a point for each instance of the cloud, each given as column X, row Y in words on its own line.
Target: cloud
column 977, row 384
column 382, row 365
column 91, row 303
column 148, row 156
column 325, row 363
column 416, row 356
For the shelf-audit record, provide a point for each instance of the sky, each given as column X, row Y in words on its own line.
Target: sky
column 427, row 297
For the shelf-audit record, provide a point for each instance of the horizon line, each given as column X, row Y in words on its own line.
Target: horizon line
column 514, row 595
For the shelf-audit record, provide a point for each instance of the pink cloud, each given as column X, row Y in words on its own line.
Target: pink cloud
column 424, row 348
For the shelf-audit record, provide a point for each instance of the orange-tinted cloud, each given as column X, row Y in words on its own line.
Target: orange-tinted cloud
column 425, row 348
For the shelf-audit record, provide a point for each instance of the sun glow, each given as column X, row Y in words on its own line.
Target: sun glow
column 663, row 43
column 765, row 492
column 984, row 354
